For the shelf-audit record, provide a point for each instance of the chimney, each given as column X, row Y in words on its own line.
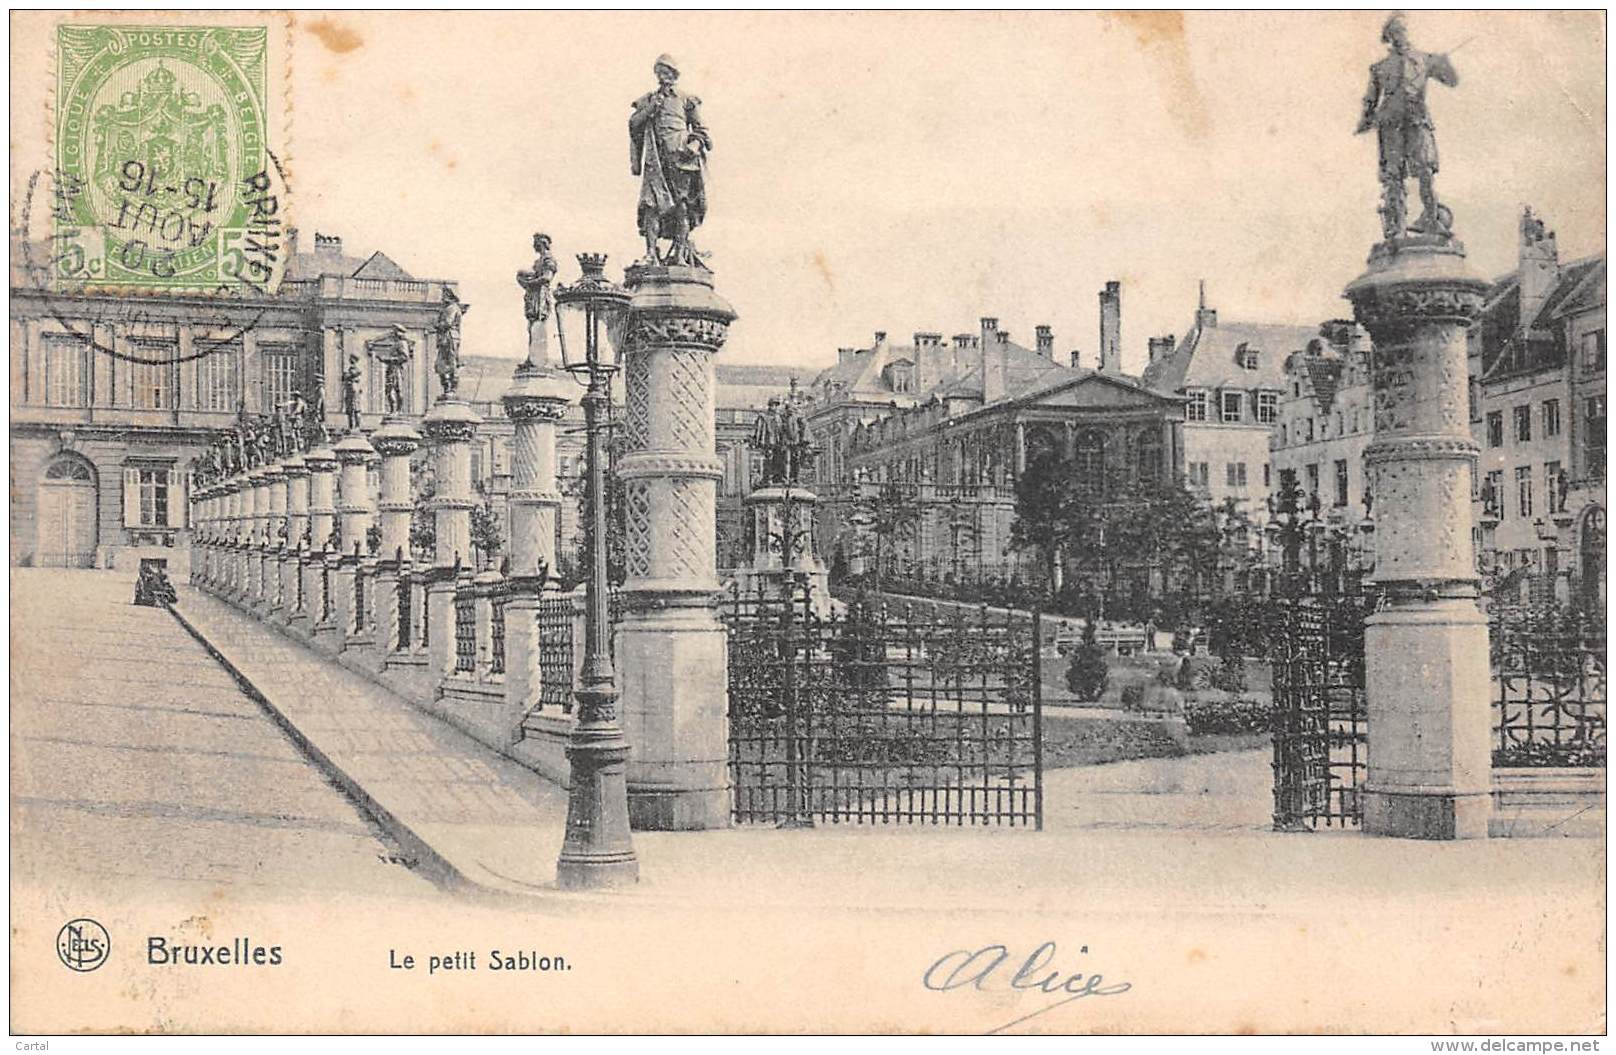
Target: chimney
column 1076, row 364
column 1111, row 328
column 291, row 242
column 1162, row 346
column 844, row 355
column 1540, row 267
column 992, row 361
column 1205, row 318
column 880, row 339
column 327, row 244
column 1046, row 341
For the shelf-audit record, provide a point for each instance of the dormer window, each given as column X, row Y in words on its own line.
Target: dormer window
column 1246, row 356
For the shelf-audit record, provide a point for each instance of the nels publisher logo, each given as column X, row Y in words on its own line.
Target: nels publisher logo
column 83, row 944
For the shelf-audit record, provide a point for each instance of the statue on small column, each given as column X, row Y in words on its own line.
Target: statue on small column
column 536, row 298
column 794, row 437
column 668, row 147
column 447, row 329
column 1395, row 107
column 297, row 412
column 317, row 430
column 768, row 437
column 350, row 391
column 394, row 349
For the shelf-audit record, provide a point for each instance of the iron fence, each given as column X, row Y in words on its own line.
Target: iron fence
column 496, row 634
column 465, row 633
column 1320, row 718
column 1548, row 680
column 555, row 616
column 865, row 714
column 301, row 603
column 406, row 605
column 359, row 622
column 325, row 593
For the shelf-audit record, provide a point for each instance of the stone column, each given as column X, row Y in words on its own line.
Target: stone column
column 536, row 402
column 275, row 541
column 322, row 463
column 396, row 441
column 671, row 648
column 1426, row 671
column 354, row 513
column 297, row 522
column 449, row 427
column 257, row 516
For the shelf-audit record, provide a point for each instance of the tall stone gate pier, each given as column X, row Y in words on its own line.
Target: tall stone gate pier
column 1426, row 676
column 670, row 644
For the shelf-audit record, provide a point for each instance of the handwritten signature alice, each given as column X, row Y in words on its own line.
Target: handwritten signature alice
column 979, row 970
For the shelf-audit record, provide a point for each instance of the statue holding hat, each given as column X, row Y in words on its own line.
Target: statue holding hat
column 769, row 438
column 1395, row 107
column 668, row 147
column 447, row 329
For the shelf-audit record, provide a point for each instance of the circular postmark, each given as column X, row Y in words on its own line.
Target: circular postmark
column 83, row 945
column 164, row 179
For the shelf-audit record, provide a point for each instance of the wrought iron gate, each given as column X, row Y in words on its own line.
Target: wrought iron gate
column 1320, row 727
column 870, row 714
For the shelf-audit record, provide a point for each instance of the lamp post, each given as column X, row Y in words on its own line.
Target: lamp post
column 598, row 850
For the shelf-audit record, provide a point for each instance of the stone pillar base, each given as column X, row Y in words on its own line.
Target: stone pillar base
column 1438, row 813
column 674, row 704
column 682, row 809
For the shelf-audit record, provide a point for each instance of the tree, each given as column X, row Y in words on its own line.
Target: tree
column 486, row 538
column 892, row 511
column 1086, row 674
column 1045, row 510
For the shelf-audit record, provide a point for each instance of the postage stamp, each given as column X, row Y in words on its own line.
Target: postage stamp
column 165, row 178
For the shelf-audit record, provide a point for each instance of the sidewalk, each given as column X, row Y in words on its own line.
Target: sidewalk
column 473, row 818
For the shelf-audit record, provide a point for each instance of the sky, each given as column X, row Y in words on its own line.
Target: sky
column 915, row 171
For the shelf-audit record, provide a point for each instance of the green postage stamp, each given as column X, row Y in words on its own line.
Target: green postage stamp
column 165, row 176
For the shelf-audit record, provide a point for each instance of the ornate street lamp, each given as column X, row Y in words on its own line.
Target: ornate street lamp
column 598, row 849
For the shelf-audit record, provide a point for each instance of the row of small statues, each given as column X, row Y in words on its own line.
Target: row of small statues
column 781, row 435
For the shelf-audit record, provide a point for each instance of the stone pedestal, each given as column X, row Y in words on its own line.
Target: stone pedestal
column 355, row 508
column 1426, row 672
column 780, row 530
column 257, row 532
column 670, row 646
column 449, row 427
column 396, row 442
column 322, row 463
column 536, row 403
column 275, row 540
column 297, row 522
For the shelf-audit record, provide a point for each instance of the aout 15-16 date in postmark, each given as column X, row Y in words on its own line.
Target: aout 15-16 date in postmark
column 165, row 180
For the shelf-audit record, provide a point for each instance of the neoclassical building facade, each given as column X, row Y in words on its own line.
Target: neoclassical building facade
column 112, row 397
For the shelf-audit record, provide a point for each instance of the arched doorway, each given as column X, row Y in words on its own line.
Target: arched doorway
column 67, row 514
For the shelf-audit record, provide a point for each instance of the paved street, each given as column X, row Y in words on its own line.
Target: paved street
column 136, row 759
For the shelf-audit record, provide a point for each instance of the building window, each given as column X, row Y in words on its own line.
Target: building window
column 1267, row 407
column 1231, row 407
column 1195, row 409
column 1492, row 495
column 67, row 370
column 1267, row 475
column 1593, row 350
column 1091, row 462
column 279, row 375
column 146, row 496
column 1523, row 489
column 1284, row 434
column 152, row 382
column 1555, row 484
column 1475, row 399
column 218, row 375
column 1495, row 428
column 1340, row 482
column 1148, row 451
column 1248, row 358
column 1551, row 418
column 1593, row 431
column 1312, row 469
column 1310, row 430
column 1523, row 424
column 1200, row 474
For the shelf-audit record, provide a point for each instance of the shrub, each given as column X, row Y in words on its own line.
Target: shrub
column 1133, row 696
column 1184, row 681
column 1087, row 675
column 1204, row 717
column 1230, row 674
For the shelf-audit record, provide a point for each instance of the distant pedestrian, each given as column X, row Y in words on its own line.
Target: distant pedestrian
column 1150, row 635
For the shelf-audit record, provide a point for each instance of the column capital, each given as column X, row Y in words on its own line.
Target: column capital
column 450, row 421
column 354, row 449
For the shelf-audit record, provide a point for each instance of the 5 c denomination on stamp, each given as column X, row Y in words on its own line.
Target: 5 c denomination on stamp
column 164, row 175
